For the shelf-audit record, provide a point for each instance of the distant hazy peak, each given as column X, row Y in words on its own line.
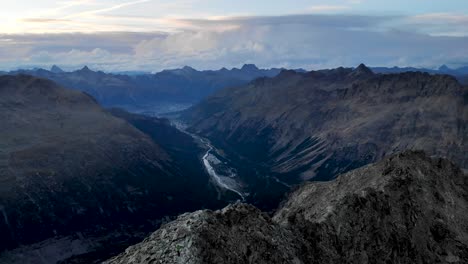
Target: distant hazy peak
column 56, row 69
column 249, row 67
column 188, row 68
column 444, row 68
column 85, row 68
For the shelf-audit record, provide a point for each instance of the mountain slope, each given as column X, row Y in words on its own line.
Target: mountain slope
column 322, row 123
column 408, row 208
column 67, row 166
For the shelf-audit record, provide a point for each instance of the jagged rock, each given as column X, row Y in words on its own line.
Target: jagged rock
column 239, row 233
column 406, row 209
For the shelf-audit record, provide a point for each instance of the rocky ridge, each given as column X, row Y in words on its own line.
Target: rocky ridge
column 407, row 208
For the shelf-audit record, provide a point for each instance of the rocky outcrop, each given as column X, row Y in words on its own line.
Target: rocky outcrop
column 408, row 208
column 239, row 233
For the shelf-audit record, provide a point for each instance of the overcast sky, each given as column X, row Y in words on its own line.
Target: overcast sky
column 150, row 35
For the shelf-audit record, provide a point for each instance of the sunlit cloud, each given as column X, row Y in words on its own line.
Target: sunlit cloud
column 151, row 35
column 327, row 8
column 440, row 24
column 44, row 20
column 308, row 41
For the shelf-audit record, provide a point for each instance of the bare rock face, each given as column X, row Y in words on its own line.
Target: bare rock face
column 239, row 233
column 319, row 124
column 408, row 208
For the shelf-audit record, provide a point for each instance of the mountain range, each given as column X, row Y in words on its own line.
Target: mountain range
column 316, row 125
column 150, row 92
column 80, row 182
column 176, row 89
column 459, row 73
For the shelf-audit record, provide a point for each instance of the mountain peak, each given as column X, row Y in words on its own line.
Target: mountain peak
column 188, row 68
column 85, row 68
column 362, row 69
column 56, row 69
column 249, row 67
column 444, row 68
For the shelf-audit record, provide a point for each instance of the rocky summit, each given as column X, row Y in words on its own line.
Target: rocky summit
column 239, row 233
column 407, row 208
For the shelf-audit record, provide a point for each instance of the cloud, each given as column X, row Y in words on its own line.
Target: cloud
column 327, row 8
column 107, row 9
column 43, row 20
column 309, row 41
column 440, row 24
column 314, row 20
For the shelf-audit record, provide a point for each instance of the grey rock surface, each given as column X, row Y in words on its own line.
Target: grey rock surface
column 407, row 208
column 239, row 233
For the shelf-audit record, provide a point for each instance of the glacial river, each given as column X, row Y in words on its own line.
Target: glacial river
column 222, row 175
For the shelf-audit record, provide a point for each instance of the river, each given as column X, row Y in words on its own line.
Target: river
column 221, row 173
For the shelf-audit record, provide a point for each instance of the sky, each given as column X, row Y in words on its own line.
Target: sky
column 151, row 35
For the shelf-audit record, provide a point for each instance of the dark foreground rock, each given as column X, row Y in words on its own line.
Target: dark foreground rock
column 239, row 233
column 408, row 208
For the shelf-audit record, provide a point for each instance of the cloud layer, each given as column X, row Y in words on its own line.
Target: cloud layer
column 308, row 41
